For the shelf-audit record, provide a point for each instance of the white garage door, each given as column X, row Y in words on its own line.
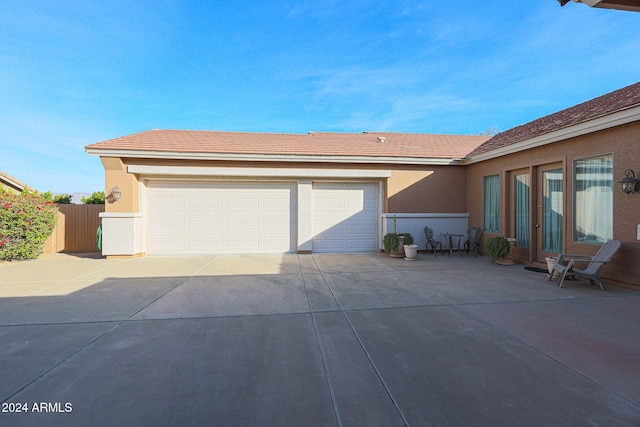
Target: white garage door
column 210, row 218
column 345, row 217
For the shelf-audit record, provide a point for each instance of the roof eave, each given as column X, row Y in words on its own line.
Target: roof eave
column 179, row 155
column 601, row 123
column 611, row 4
column 12, row 182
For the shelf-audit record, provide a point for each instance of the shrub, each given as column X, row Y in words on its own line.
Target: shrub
column 97, row 198
column 408, row 238
column 63, row 199
column 498, row 247
column 391, row 241
column 26, row 221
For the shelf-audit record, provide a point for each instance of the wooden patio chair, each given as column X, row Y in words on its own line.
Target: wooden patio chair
column 473, row 240
column 566, row 264
column 430, row 241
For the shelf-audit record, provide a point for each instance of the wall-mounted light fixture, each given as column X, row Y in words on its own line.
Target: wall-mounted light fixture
column 629, row 183
column 114, row 195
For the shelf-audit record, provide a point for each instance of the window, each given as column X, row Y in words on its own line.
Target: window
column 491, row 203
column 593, row 198
column 521, row 194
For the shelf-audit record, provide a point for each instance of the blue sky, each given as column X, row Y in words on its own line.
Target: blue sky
column 73, row 72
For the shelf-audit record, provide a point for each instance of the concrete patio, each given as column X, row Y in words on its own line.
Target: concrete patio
column 312, row 340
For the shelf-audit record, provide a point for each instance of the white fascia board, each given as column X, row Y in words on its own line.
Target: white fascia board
column 178, row 155
column 163, row 171
column 595, row 125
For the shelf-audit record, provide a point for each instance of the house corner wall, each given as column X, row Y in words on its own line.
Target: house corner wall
column 433, row 196
column 116, row 175
column 122, row 221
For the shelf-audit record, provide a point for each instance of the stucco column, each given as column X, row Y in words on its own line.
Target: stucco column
column 305, row 216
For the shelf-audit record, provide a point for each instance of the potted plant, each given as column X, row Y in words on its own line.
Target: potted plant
column 499, row 247
column 393, row 243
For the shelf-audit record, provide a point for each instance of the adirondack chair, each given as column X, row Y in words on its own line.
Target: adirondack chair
column 566, row 264
column 430, row 241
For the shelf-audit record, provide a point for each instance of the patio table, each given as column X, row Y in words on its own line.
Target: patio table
column 450, row 237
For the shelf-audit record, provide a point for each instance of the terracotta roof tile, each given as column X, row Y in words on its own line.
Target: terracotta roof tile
column 369, row 144
column 604, row 105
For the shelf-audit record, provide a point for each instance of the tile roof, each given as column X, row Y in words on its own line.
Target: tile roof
column 368, row 144
column 613, row 102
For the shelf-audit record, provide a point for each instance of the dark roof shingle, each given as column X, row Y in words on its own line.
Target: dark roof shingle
column 613, row 102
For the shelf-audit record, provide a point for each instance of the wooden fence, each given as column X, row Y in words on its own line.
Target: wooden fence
column 75, row 229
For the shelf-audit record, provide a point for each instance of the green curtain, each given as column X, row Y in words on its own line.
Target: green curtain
column 552, row 211
column 522, row 190
column 491, row 207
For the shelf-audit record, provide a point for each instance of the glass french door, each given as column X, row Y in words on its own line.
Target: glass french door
column 520, row 227
column 549, row 211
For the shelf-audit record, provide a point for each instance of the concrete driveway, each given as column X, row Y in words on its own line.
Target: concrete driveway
column 312, row 340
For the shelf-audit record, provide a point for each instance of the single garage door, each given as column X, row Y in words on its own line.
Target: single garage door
column 211, row 218
column 345, row 217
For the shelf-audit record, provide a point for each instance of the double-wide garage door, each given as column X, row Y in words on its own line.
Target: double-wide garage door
column 229, row 217
column 209, row 218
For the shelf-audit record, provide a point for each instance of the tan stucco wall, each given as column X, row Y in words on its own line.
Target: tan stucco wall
column 411, row 189
column 431, row 189
column 116, row 175
column 624, row 142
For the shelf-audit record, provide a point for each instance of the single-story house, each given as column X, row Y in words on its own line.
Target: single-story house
column 195, row 192
column 10, row 183
column 548, row 183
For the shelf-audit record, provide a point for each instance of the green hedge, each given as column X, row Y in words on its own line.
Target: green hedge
column 26, row 221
